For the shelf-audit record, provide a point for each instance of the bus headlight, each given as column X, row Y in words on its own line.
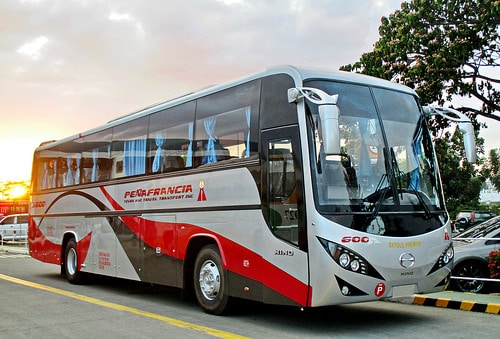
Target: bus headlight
column 444, row 259
column 448, row 255
column 355, row 265
column 344, row 260
column 348, row 259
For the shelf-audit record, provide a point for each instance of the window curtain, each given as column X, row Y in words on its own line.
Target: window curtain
column 248, row 114
column 416, row 154
column 77, row 171
column 189, row 156
column 95, row 166
column 160, row 141
column 46, row 175
column 210, row 156
column 134, row 160
column 69, row 175
column 365, row 165
column 73, row 176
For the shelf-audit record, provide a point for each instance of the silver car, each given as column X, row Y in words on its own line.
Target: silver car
column 14, row 227
column 472, row 249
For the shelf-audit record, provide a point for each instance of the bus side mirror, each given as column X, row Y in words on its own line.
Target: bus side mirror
column 469, row 141
column 464, row 124
column 328, row 115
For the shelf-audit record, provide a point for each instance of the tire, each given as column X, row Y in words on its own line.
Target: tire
column 210, row 281
column 470, row 269
column 71, row 268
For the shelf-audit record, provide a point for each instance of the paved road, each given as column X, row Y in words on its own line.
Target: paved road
column 36, row 301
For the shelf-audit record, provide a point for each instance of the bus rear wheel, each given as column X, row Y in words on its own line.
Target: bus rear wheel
column 71, row 269
column 210, row 281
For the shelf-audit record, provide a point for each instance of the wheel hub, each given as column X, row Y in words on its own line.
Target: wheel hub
column 209, row 280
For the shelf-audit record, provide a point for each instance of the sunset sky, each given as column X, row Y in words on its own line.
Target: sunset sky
column 67, row 66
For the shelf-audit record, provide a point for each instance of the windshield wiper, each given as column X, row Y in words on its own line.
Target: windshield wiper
column 398, row 174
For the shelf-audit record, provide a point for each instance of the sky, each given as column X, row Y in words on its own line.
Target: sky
column 67, row 66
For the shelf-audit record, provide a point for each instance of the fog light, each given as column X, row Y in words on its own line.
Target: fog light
column 345, row 290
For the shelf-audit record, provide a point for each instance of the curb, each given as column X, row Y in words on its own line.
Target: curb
column 14, row 250
column 463, row 305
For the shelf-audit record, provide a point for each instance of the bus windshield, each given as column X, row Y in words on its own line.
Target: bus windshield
column 386, row 173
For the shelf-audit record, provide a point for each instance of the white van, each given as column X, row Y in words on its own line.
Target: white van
column 14, row 227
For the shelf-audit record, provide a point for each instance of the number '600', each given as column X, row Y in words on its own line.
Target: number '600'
column 355, row 238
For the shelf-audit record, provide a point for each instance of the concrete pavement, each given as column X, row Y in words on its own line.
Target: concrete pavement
column 486, row 303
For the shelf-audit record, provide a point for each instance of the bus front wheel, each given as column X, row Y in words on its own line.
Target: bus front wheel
column 210, row 282
column 71, row 268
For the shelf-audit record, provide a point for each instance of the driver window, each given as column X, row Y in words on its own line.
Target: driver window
column 283, row 210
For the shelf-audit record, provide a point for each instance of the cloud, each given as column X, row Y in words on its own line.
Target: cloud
column 33, row 48
column 68, row 66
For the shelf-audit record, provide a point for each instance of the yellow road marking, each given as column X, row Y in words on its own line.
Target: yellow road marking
column 118, row 307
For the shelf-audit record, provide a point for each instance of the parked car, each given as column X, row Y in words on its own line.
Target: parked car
column 14, row 227
column 471, row 255
column 468, row 218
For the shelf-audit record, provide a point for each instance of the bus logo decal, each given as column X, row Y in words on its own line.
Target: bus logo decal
column 287, row 253
column 201, row 193
column 407, row 260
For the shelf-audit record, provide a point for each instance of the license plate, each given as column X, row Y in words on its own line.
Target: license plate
column 403, row 291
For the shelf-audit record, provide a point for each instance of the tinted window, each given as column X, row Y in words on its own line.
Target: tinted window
column 170, row 140
column 227, row 124
column 129, row 148
column 275, row 109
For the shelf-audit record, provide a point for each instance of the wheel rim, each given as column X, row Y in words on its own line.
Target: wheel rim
column 209, row 280
column 71, row 261
column 470, row 271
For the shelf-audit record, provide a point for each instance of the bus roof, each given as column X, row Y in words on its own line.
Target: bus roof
column 299, row 74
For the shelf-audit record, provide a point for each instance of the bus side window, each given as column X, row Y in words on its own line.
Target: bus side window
column 226, row 125
column 96, row 157
column 170, row 139
column 129, row 148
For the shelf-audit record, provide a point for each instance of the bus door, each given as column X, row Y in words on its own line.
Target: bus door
column 284, row 211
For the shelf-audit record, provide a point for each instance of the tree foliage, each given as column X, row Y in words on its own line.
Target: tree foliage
column 443, row 49
column 491, row 169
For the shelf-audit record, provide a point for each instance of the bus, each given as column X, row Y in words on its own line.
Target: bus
column 292, row 186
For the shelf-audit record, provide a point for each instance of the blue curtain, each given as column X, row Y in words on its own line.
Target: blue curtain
column 210, row 156
column 248, row 114
column 189, row 156
column 417, row 153
column 159, row 140
column 95, row 167
column 134, row 157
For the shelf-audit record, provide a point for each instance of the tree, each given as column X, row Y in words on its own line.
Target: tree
column 491, row 168
column 443, row 49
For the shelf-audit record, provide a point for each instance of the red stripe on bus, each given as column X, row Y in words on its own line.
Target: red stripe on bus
column 239, row 260
column 43, row 249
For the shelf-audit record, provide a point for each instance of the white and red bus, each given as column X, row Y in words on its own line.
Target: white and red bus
column 292, row 186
